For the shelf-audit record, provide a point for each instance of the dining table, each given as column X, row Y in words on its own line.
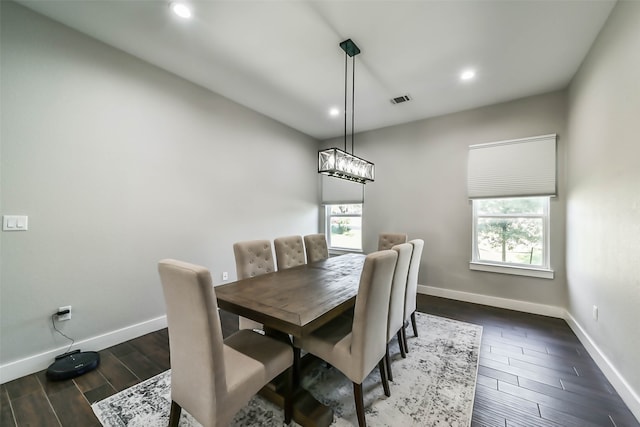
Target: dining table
column 295, row 302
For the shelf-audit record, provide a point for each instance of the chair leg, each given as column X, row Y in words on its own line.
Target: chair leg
column 404, row 339
column 357, row 395
column 383, row 376
column 413, row 323
column 174, row 414
column 403, row 351
column 387, row 364
column 288, row 396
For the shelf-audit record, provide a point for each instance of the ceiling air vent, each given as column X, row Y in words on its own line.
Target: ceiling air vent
column 400, row 99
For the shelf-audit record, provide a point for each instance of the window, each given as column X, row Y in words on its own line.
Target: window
column 512, row 236
column 510, row 183
column 344, row 227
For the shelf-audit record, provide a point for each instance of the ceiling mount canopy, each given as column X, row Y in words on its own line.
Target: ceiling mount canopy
column 350, row 48
column 340, row 163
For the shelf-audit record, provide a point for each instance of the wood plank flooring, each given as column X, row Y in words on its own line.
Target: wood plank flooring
column 533, row 372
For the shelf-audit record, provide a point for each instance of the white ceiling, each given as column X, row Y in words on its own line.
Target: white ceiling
column 282, row 58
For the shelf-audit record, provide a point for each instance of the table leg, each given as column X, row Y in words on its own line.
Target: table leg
column 307, row 411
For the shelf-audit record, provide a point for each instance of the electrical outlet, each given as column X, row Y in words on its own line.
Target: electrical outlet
column 225, row 275
column 64, row 316
column 595, row 313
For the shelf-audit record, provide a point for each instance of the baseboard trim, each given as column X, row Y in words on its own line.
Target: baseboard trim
column 31, row 364
column 628, row 395
column 626, row 392
column 510, row 304
column 38, row 362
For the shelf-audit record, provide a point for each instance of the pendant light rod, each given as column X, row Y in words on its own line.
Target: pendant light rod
column 353, row 97
column 345, row 99
column 351, row 50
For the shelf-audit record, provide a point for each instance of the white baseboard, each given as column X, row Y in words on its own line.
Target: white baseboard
column 628, row 395
column 510, row 304
column 626, row 392
column 38, row 362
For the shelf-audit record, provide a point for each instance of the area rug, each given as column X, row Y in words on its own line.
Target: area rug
column 433, row 386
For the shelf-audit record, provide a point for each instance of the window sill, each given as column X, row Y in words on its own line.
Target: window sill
column 336, row 251
column 541, row 273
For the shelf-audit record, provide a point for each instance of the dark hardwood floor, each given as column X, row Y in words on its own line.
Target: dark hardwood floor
column 533, row 372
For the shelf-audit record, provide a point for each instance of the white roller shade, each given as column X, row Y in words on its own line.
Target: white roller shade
column 336, row 191
column 514, row 168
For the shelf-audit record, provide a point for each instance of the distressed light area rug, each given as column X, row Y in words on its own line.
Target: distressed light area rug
column 433, row 386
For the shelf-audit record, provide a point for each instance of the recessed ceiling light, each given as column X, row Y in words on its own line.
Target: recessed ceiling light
column 181, row 9
column 334, row 112
column 469, row 74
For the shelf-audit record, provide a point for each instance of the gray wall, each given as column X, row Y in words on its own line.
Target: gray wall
column 603, row 193
column 119, row 164
column 421, row 189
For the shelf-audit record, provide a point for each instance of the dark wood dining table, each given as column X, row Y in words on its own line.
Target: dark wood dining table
column 297, row 301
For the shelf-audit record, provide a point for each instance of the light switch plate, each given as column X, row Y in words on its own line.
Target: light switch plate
column 15, row 223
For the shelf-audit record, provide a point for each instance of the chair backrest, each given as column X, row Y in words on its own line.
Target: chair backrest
column 195, row 337
column 316, row 247
column 289, row 252
column 399, row 288
column 253, row 258
column 412, row 279
column 369, row 329
column 389, row 240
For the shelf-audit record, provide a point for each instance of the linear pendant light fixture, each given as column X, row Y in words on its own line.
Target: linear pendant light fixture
column 340, row 163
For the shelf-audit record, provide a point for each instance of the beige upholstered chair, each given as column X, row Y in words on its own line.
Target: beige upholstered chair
column 253, row 258
column 212, row 378
column 389, row 240
column 316, row 247
column 412, row 289
column 397, row 300
column 289, row 252
column 355, row 347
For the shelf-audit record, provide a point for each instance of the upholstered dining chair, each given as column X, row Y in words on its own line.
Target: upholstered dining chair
column 289, row 252
column 316, row 247
column 354, row 347
column 253, row 258
column 212, row 378
column 389, row 240
column 412, row 290
column 397, row 301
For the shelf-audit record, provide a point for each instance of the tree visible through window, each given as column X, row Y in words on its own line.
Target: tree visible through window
column 511, row 231
column 344, row 226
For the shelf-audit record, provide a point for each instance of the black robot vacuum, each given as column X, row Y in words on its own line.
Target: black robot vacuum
column 73, row 364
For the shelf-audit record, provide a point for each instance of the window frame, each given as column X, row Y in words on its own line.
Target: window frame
column 543, row 271
column 327, row 227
